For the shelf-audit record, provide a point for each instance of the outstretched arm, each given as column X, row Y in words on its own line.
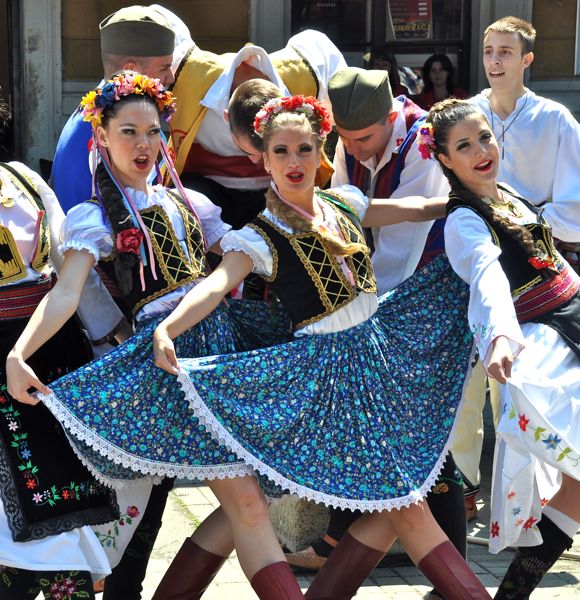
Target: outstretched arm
column 390, row 211
column 55, row 309
column 196, row 305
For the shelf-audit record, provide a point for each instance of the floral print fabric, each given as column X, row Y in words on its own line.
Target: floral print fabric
column 355, row 419
column 129, row 419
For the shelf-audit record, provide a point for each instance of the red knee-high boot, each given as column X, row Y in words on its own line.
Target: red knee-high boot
column 345, row 570
column 189, row 574
column 276, row 582
column 447, row 570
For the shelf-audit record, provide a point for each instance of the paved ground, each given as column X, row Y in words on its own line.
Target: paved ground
column 188, row 505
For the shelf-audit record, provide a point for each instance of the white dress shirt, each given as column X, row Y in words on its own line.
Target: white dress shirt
column 398, row 248
column 540, row 157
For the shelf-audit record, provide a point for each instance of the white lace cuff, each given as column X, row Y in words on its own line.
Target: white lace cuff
column 79, row 246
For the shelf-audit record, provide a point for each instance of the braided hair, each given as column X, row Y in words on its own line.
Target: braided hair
column 111, row 201
column 443, row 116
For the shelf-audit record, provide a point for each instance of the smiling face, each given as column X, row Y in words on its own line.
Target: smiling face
column 292, row 157
column 504, row 60
column 472, row 154
column 132, row 139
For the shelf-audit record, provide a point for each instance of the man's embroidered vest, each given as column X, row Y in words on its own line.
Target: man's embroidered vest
column 307, row 277
column 12, row 265
column 199, row 72
column 533, row 293
column 173, row 267
column 387, row 180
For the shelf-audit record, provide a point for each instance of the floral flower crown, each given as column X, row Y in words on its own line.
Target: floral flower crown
column 127, row 84
column 307, row 105
column 426, row 141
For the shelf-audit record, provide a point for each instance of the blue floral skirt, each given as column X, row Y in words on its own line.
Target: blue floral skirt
column 128, row 419
column 356, row 419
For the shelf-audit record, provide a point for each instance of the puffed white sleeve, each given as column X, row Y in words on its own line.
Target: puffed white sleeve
column 354, row 197
column 54, row 213
column 475, row 258
column 563, row 212
column 84, row 229
column 209, row 214
column 250, row 242
column 98, row 311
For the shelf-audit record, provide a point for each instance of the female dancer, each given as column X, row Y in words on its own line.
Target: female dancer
column 343, row 414
column 151, row 242
column 525, row 312
column 48, row 499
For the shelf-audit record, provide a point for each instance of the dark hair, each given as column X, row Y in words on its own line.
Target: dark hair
column 447, row 66
column 111, row 201
column 443, row 116
column 386, row 56
column 247, row 99
column 524, row 29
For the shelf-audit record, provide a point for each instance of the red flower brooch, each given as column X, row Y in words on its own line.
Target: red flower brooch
column 129, row 240
column 541, row 262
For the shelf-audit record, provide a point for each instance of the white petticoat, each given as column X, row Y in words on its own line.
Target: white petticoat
column 94, row 549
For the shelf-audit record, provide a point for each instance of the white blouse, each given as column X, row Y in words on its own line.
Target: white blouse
column 21, row 219
column 475, row 258
column 250, row 242
column 84, row 228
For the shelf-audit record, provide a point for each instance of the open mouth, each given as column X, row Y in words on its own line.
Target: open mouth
column 295, row 177
column 142, row 162
column 496, row 73
column 484, row 166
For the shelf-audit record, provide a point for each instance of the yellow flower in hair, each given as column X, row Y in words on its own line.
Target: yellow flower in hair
column 138, row 82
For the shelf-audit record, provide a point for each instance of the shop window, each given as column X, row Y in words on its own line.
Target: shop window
column 412, row 30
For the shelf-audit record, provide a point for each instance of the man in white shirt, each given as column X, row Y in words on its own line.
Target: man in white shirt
column 377, row 153
column 539, row 139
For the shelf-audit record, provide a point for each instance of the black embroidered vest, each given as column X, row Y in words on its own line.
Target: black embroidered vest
column 307, row 277
column 173, row 268
column 535, row 292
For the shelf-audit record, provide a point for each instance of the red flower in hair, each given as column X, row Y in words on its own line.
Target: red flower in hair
column 292, row 102
column 129, row 240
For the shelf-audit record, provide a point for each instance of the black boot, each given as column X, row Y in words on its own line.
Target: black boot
column 531, row 563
